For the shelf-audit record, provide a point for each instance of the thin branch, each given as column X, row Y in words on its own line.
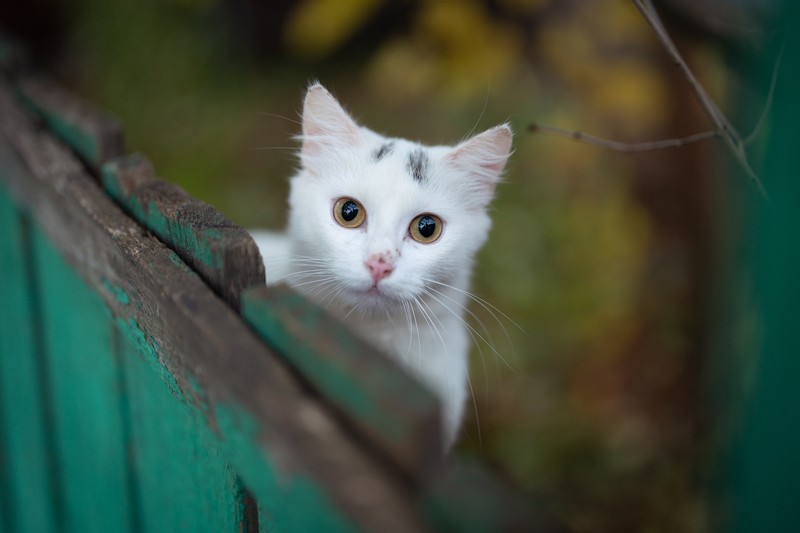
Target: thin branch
column 648, row 12
column 768, row 103
column 618, row 146
column 724, row 128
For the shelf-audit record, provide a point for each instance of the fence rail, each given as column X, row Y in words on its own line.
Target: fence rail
column 149, row 381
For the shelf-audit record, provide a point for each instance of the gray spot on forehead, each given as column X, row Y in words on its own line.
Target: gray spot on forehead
column 382, row 151
column 418, row 162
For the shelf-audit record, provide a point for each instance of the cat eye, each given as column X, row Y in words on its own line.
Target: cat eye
column 349, row 213
column 425, row 228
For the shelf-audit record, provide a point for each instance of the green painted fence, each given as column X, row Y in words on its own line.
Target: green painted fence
column 150, row 382
column 764, row 465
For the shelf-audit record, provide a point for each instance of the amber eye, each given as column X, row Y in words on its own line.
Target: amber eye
column 425, row 228
column 349, row 213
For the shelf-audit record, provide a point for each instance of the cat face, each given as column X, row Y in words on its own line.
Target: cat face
column 375, row 220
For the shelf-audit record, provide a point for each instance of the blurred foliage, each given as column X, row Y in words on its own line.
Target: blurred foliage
column 576, row 415
column 454, row 46
column 317, row 27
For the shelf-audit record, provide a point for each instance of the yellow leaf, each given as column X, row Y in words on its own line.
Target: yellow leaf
column 316, row 28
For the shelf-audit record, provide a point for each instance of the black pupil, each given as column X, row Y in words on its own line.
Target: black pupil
column 349, row 210
column 426, row 226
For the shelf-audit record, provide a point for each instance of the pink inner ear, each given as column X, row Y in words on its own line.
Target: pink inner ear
column 325, row 121
column 495, row 167
column 488, row 151
column 483, row 158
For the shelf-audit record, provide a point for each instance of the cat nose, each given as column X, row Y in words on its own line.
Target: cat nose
column 380, row 266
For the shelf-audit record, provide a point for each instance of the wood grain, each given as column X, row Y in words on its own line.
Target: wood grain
column 91, row 133
column 83, row 388
column 373, row 393
column 288, row 449
column 27, row 489
column 182, row 401
column 223, row 253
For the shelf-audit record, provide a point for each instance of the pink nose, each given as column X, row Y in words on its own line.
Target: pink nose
column 379, row 266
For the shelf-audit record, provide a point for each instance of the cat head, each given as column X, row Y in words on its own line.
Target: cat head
column 389, row 217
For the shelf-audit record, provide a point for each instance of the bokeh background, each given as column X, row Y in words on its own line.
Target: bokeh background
column 591, row 373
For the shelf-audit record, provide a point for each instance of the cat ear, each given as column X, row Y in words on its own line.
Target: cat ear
column 483, row 158
column 325, row 122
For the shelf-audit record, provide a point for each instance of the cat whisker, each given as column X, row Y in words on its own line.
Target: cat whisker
column 430, row 317
column 275, row 115
column 350, row 312
column 407, row 314
column 475, row 410
column 475, row 317
column 472, row 334
column 306, row 262
column 429, row 313
column 266, row 148
column 281, row 260
column 432, row 325
column 465, row 308
column 473, row 337
column 483, row 110
column 416, row 328
column 488, row 307
column 480, row 301
column 334, row 294
column 468, row 325
column 314, row 281
column 327, row 285
column 278, row 262
column 303, row 274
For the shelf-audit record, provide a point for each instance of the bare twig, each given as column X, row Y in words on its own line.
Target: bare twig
column 768, row 103
column 724, row 128
column 619, row 146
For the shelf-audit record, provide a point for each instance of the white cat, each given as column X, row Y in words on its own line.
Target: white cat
column 383, row 232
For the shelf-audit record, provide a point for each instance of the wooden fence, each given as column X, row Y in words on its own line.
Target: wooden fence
column 149, row 381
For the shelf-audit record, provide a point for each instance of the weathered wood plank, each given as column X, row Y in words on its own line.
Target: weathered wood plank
column 170, row 437
column 466, row 498
column 288, row 449
column 85, row 391
column 94, row 135
column 5, row 492
column 4, row 513
column 373, row 393
column 192, row 359
column 26, row 475
column 223, row 253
